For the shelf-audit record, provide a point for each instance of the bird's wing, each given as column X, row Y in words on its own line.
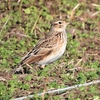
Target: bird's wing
column 44, row 47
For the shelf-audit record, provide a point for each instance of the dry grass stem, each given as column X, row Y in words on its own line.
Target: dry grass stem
column 73, row 11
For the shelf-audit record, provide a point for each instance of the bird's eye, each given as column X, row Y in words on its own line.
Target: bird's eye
column 60, row 23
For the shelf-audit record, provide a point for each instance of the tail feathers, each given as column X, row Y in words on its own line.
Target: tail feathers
column 18, row 69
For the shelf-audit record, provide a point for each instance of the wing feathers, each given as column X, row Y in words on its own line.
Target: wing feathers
column 36, row 58
column 42, row 49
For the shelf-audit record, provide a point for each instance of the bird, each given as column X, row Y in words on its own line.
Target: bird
column 49, row 48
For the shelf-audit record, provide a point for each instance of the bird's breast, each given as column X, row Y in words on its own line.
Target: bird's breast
column 56, row 53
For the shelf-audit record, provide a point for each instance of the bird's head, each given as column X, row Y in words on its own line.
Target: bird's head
column 59, row 25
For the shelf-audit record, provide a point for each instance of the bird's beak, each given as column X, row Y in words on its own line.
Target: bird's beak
column 67, row 23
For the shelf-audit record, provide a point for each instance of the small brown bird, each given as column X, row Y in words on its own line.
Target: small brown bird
column 49, row 48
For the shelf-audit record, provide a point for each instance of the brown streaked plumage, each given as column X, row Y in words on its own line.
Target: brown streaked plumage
column 49, row 48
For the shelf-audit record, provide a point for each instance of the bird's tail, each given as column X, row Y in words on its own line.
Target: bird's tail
column 18, row 69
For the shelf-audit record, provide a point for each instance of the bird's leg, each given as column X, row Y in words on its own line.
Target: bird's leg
column 42, row 66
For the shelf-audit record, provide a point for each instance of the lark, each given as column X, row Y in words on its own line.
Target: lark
column 48, row 49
